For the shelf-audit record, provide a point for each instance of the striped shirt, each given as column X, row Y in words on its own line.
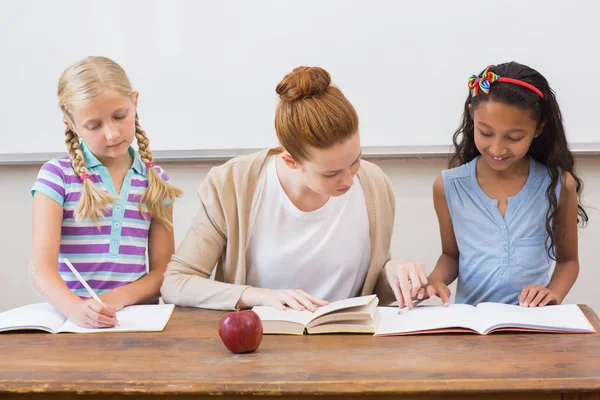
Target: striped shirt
column 113, row 254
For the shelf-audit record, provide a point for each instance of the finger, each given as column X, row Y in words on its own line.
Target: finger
column 523, row 295
column 414, row 280
column 540, row 296
column 95, row 323
column 302, row 299
column 278, row 304
column 100, row 309
column 422, row 293
column 444, row 295
column 530, row 296
column 291, row 302
column 546, row 300
column 313, row 299
column 431, row 292
column 396, row 288
column 422, row 271
column 101, row 319
column 405, row 290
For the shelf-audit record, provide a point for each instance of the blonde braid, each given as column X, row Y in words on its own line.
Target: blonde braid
column 158, row 191
column 93, row 201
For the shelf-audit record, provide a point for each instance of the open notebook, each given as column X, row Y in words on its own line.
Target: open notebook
column 355, row 315
column 483, row 319
column 44, row 317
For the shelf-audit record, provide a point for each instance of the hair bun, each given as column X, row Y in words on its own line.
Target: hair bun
column 303, row 82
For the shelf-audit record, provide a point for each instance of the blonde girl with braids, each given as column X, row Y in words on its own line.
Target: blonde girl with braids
column 297, row 226
column 103, row 204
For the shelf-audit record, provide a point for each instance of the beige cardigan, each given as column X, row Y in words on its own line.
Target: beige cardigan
column 218, row 236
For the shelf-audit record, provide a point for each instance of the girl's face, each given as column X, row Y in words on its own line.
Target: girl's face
column 503, row 133
column 331, row 171
column 106, row 124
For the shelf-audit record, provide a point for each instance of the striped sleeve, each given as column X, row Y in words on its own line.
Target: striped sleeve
column 51, row 182
column 165, row 177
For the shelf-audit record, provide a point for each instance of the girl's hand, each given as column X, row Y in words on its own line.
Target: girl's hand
column 406, row 280
column 436, row 289
column 91, row 314
column 537, row 296
column 296, row 299
column 114, row 300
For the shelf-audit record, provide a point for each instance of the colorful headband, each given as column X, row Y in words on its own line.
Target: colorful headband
column 484, row 82
column 83, row 177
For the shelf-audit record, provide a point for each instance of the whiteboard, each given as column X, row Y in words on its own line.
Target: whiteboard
column 207, row 70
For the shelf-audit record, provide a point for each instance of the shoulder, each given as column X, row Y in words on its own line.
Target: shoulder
column 438, row 186
column 460, row 172
column 373, row 172
column 57, row 168
column 569, row 184
column 162, row 173
column 55, row 179
column 236, row 174
column 373, row 176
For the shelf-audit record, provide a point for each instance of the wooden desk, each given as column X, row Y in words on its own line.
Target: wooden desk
column 188, row 360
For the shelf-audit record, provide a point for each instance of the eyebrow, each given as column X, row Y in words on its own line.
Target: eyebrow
column 516, row 130
column 126, row 107
column 338, row 170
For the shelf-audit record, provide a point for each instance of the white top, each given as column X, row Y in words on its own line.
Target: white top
column 324, row 252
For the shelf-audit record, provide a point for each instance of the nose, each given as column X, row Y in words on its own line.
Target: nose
column 111, row 132
column 347, row 178
column 497, row 148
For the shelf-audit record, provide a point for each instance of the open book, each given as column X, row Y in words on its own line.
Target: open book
column 44, row 317
column 356, row 315
column 483, row 319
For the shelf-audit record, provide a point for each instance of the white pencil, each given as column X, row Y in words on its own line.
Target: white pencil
column 84, row 283
column 414, row 303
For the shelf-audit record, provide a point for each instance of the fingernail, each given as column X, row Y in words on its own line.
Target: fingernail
column 525, row 305
column 520, row 304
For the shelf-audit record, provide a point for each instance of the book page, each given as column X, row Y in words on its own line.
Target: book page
column 346, row 303
column 428, row 318
column 139, row 318
column 304, row 317
column 40, row 316
column 267, row 313
column 348, row 326
column 567, row 317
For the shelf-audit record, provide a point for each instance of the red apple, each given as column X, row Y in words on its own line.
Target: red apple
column 241, row 331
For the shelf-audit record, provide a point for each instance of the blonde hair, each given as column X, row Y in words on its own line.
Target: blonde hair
column 79, row 84
column 312, row 113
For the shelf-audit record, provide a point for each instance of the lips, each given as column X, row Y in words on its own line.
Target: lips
column 498, row 159
column 343, row 190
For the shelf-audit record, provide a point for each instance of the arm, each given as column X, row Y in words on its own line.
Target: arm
column 187, row 279
column 47, row 216
column 161, row 245
column 446, row 268
column 399, row 279
column 567, row 258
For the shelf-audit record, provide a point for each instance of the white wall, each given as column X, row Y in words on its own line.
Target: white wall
column 416, row 231
column 187, row 57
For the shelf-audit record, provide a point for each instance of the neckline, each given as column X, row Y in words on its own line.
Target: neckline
column 319, row 213
column 511, row 199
